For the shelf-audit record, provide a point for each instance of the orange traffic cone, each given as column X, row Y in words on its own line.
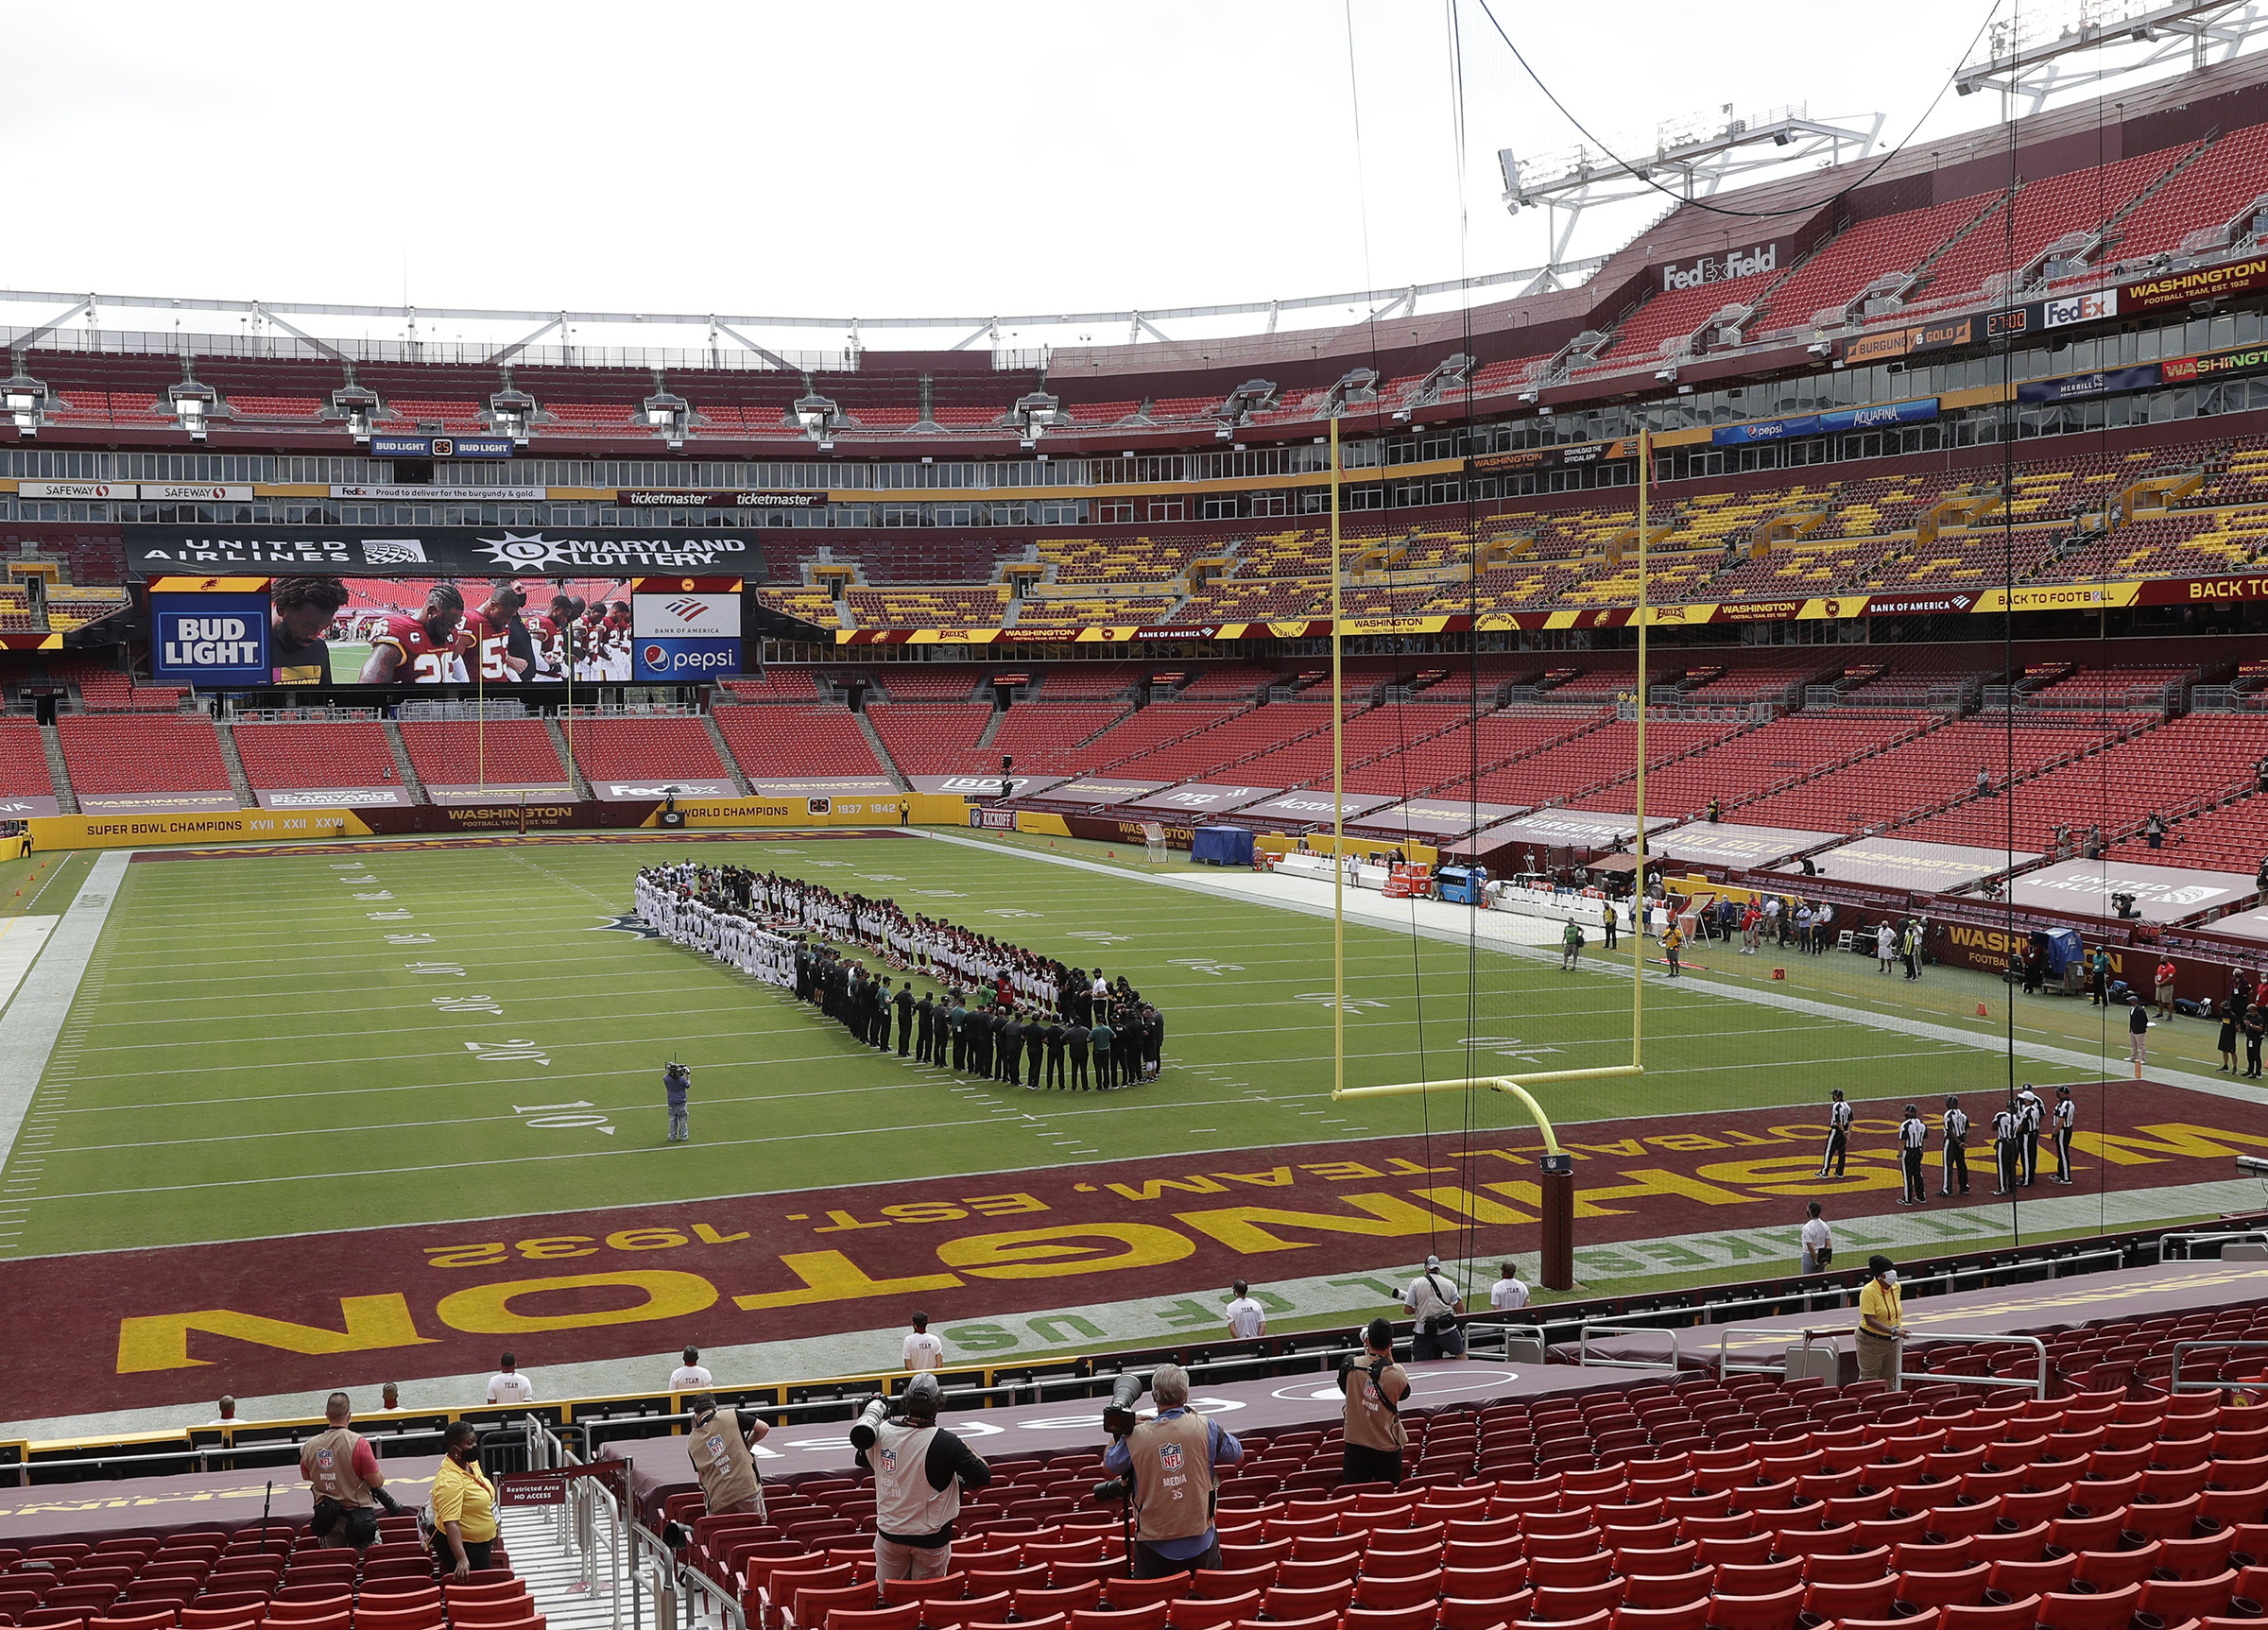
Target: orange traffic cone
column 1980, row 1013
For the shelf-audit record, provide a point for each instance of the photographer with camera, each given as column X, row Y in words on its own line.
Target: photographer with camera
column 720, row 1445
column 920, row 1469
column 342, row 1469
column 1166, row 1468
column 1375, row 1388
column 1435, row 1305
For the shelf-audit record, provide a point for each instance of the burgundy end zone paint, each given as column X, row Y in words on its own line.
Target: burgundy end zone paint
column 180, row 1325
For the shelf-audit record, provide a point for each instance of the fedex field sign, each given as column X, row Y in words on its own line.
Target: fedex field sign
column 209, row 639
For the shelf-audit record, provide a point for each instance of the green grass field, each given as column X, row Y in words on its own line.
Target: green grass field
column 269, row 1045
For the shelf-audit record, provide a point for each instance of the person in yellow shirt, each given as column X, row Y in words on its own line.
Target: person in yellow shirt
column 464, row 1504
column 1673, row 941
column 1882, row 1321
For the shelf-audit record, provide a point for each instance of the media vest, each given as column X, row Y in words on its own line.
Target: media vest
column 328, row 1460
column 905, row 1507
column 1370, row 1424
column 718, row 1448
column 1172, row 1478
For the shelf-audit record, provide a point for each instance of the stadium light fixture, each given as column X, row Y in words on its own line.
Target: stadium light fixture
column 512, row 412
column 1666, row 375
column 193, row 405
column 1531, row 397
column 26, row 400
column 1821, row 348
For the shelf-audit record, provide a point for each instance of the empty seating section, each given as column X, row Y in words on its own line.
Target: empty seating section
column 1919, row 777
column 23, row 762
column 933, row 738
column 929, row 607
column 1228, row 681
column 2210, row 191
column 2116, row 788
column 109, row 691
column 176, row 753
column 492, row 752
column 1660, row 326
column 2111, row 688
column 273, row 1573
column 1044, row 737
column 1370, row 735
column 775, row 743
column 2046, row 208
column 315, row 753
column 1595, row 760
column 775, row 684
column 1091, row 681
column 1837, row 274
column 2233, row 837
column 644, row 749
column 1788, row 750
column 930, row 681
column 1186, row 741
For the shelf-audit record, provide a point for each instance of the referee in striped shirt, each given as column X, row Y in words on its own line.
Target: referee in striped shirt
column 1955, row 1122
column 1911, row 1135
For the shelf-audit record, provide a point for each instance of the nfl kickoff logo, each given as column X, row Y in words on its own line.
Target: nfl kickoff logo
column 1169, row 1456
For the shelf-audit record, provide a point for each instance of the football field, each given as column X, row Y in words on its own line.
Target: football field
column 337, row 1114
column 272, row 1044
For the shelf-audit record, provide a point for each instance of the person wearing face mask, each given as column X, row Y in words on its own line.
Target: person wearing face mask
column 1882, row 1321
column 464, row 1506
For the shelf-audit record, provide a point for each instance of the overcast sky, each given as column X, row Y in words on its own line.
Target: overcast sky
column 870, row 158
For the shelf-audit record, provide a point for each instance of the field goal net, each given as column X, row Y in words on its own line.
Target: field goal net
column 1153, row 840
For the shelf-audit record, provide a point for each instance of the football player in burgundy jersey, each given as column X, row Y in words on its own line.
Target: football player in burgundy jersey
column 420, row 650
column 552, row 636
column 491, row 629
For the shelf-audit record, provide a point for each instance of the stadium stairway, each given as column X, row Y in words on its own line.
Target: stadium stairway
column 881, row 754
column 403, row 768
column 559, row 746
column 724, row 754
column 565, row 1595
column 58, row 772
column 239, row 784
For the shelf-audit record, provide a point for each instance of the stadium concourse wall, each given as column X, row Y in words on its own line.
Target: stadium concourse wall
column 442, row 820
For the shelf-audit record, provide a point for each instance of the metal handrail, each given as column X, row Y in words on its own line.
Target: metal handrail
column 2039, row 1386
column 2188, row 1242
column 1583, row 1348
column 1726, row 1363
column 2174, row 1382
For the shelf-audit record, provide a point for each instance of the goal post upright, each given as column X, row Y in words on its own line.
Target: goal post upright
column 1638, row 912
column 1338, row 800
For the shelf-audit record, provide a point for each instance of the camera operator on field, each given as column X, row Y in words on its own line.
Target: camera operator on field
column 919, row 1470
column 1167, row 1464
column 719, row 1446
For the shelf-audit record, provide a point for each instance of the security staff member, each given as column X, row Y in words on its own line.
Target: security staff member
column 1169, row 1462
column 1011, row 1049
column 1053, row 1036
column 1881, row 1320
column 1911, row 1135
column 1375, row 1388
column 2029, row 1111
column 1955, row 1124
column 2066, row 1122
column 2007, row 1146
column 342, row 1469
column 919, row 1470
column 1838, row 1136
column 719, row 1447
column 1075, row 1049
column 904, row 1004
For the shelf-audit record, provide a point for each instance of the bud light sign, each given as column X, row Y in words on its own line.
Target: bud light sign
column 209, row 639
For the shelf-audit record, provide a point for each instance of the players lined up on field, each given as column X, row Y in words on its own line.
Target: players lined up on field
column 2016, row 1133
column 1005, row 1013
column 445, row 643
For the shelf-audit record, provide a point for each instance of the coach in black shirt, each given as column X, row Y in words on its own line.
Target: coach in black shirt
column 1011, row 1049
column 1074, row 1047
column 924, row 1011
column 905, row 1016
column 1053, row 1036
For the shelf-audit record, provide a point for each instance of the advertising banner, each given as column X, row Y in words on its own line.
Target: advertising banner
column 980, row 786
column 1304, row 811
column 1926, row 336
column 656, row 789
column 691, row 498
column 2161, row 894
column 209, row 639
column 1919, row 867
column 824, row 787
column 2102, row 382
column 1567, row 455
column 1435, row 819
column 686, row 636
column 1094, row 792
column 147, row 492
column 1200, row 798
column 332, row 797
column 557, row 793
column 412, row 493
column 1703, row 843
column 430, row 551
column 2214, row 365
column 441, row 447
column 1824, row 424
column 2205, row 283
column 157, row 803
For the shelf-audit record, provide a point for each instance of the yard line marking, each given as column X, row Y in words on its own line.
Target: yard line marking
column 34, row 1021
